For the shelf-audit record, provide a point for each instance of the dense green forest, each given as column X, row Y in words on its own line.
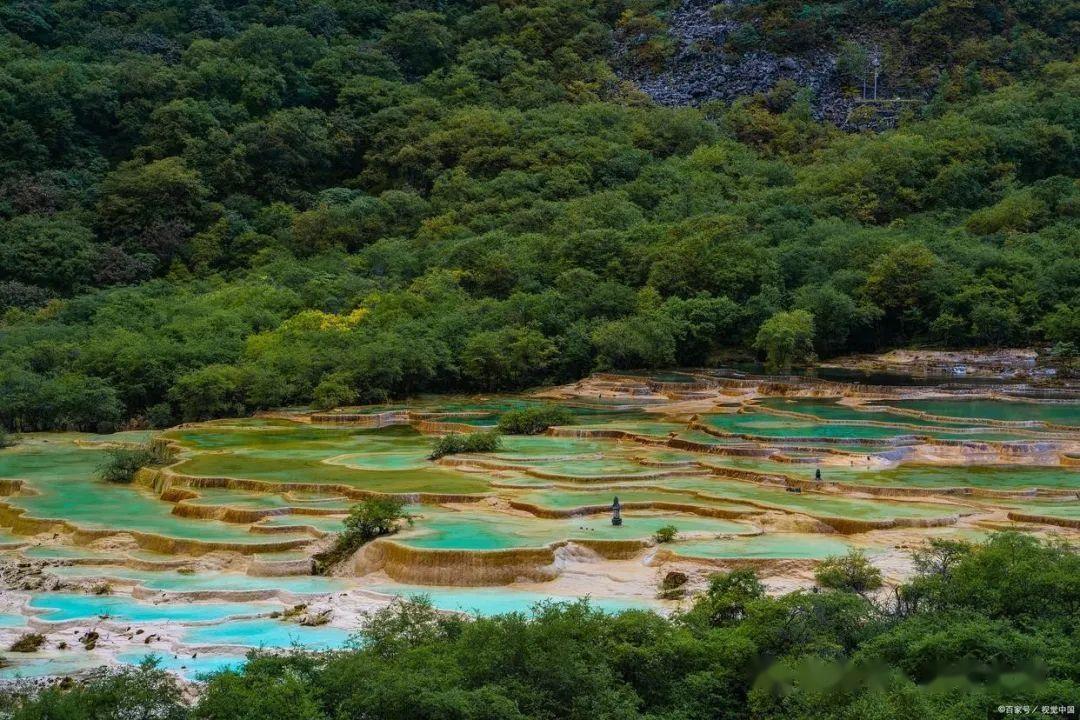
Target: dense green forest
column 979, row 629
column 208, row 207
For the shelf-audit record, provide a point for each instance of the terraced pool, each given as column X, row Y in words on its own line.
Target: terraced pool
column 769, row 546
column 59, row 607
column 279, row 485
column 496, row 601
column 1008, row 410
column 469, row 530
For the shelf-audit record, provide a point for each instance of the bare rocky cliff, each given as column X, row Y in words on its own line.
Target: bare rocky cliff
column 699, row 70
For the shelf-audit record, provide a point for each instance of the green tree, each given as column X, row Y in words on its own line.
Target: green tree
column 851, row 573
column 418, row 40
column 727, row 598
column 211, row 391
column 152, row 207
column 906, row 283
column 635, row 342
column 371, row 518
column 143, row 691
column 837, row 317
column 787, row 339
column 374, row 517
column 334, row 390
column 57, row 253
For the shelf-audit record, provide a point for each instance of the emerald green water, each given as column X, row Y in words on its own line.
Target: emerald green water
column 285, row 469
column 469, row 530
column 773, row 426
column 988, row 477
column 608, row 464
column 1062, row 508
column 391, row 460
column 654, row 427
column 1057, row 413
column 558, row 499
column 62, row 474
column 238, row 498
column 414, row 460
column 326, row 523
column 63, row 552
column 9, row 540
column 545, row 446
column 812, row 503
column 772, row 546
column 832, row 410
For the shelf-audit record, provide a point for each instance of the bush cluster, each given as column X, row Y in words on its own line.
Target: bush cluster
column 534, row 420
column 122, row 463
column 454, row 443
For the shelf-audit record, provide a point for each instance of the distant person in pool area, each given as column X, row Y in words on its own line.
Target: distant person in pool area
column 817, row 474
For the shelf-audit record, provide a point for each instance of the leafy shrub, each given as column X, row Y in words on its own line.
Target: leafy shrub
column 534, row 420
column 27, row 642
column 7, row 439
column 143, row 691
column 851, row 572
column 454, row 443
column 728, row 599
column 666, row 534
column 123, row 462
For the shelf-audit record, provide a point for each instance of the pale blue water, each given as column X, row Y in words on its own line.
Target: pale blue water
column 11, row 620
column 57, row 607
column 266, row 633
column 184, row 664
column 23, row 667
column 171, row 580
column 497, row 601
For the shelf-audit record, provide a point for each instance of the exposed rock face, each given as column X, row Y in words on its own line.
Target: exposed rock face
column 674, row 579
column 700, row 71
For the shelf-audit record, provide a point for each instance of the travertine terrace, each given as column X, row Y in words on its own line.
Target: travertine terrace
column 204, row 558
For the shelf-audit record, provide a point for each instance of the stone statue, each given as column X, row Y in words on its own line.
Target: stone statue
column 616, row 513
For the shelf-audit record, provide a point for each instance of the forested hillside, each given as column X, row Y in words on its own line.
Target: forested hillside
column 208, row 207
